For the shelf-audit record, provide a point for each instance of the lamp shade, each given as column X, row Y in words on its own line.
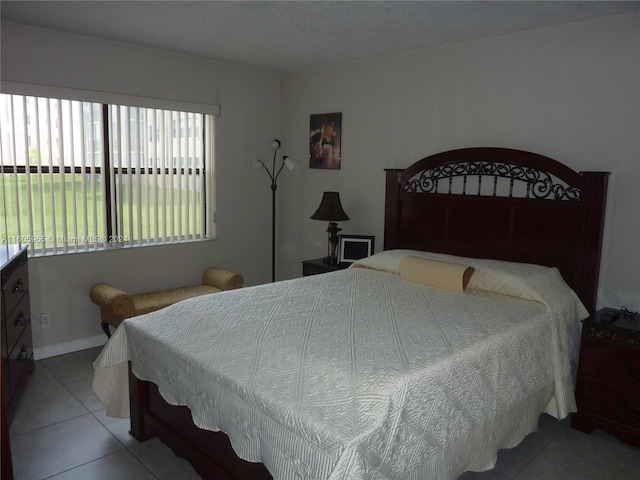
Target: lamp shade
column 274, row 144
column 290, row 163
column 330, row 208
column 258, row 164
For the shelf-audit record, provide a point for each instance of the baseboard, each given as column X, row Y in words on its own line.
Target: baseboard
column 68, row 347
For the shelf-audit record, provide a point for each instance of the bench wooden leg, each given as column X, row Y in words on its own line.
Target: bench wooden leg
column 105, row 327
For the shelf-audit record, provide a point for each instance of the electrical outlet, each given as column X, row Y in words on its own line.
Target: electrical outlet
column 45, row 320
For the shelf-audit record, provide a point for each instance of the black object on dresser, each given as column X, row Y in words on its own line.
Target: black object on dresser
column 608, row 384
column 17, row 343
column 318, row 265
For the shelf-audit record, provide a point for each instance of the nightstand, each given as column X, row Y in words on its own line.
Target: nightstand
column 317, row 266
column 608, row 383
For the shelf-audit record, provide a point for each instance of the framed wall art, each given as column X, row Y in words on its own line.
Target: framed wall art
column 325, row 135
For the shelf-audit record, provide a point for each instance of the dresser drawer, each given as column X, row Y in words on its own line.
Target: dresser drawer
column 20, row 360
column 16, row 322
column 611, row 401
column 3, row 342
column 611, row 363
column 15, row 288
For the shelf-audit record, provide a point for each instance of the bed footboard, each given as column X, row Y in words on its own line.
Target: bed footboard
column 210, row 453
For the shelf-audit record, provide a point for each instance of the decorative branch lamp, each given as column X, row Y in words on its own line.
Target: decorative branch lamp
column 274, row 145
column 330, row 210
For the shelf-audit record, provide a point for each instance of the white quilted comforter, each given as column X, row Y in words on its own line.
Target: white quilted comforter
column 358, row 374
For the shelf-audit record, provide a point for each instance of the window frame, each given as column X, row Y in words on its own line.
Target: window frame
column 204, row 175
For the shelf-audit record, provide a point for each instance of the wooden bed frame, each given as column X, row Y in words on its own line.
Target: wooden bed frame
column 477, row 202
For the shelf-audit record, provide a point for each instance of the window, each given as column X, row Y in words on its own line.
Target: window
column 79, row 175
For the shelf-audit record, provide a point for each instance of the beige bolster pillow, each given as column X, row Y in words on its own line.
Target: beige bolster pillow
column 436, row 273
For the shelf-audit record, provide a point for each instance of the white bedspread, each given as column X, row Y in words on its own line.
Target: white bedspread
column 358, row 374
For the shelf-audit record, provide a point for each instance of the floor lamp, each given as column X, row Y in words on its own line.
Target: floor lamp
column 274, row 145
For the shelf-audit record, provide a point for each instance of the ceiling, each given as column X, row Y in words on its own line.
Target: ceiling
column 294, row 35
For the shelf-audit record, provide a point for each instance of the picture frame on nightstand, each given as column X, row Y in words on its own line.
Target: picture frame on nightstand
column 355, row 247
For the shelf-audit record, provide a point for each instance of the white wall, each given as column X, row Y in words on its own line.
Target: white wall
column 570, row 92
column 250, row 100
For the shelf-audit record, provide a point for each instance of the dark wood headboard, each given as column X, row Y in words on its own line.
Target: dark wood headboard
column 502, row 204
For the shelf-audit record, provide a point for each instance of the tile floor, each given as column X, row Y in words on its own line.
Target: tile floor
column 61, row 432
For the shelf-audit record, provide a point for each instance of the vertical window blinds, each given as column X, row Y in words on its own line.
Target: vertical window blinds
column 80, row 175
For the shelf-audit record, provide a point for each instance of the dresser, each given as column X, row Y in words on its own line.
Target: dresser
column 17, row 344
column 608, row 383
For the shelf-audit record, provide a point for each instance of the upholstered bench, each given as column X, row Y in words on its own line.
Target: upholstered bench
column 116, row 305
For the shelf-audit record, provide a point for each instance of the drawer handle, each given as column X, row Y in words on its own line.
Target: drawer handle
column 623, row 404
column 21, row 320
column 18, row 287
column 23, row 354
column 629, row 369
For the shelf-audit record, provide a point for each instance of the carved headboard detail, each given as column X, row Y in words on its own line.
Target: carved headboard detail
column 504, row 204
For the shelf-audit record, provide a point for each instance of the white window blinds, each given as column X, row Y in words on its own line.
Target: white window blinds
column 79, row 175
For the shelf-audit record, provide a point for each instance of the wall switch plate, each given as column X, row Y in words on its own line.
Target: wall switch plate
column 45, row 320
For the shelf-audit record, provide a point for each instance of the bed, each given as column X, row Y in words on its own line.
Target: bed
column 361, row 374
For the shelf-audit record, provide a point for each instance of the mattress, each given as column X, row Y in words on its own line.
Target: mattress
column 358, row 374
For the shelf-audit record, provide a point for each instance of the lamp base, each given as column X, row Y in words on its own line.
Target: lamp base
column 330, row 261
column 333, row 230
